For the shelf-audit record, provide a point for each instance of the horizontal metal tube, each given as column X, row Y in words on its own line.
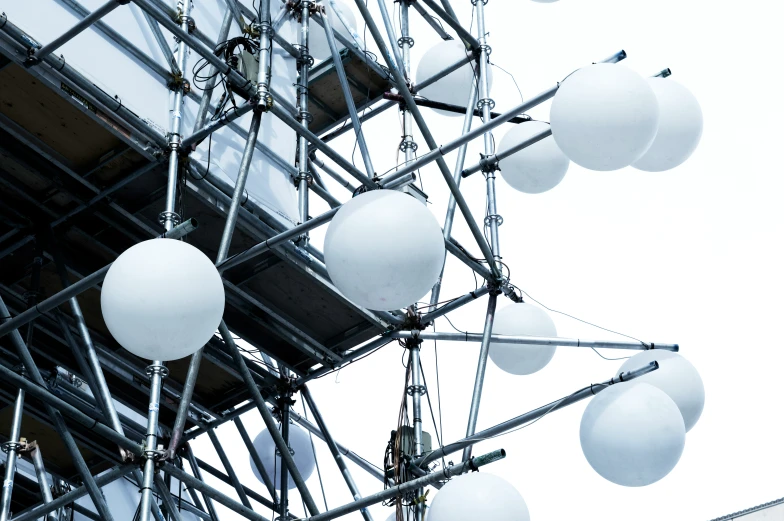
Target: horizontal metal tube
column 458, row 302
column 506, row 426
column 494, row 159
column 399, row 490
column 535, row 340
column 457, row 109
column 482, row 129
column 274, row 241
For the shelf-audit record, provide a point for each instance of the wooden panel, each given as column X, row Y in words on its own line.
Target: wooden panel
column 46, row 115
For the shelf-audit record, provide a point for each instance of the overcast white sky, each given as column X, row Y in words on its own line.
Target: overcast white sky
column 691, row 256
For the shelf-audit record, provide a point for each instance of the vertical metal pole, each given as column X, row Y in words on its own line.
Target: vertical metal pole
column 11, row 448
column 40, row 472
column 263, row 99
column 197, row 474
column 405, row 42
column 435, row 294
column 285, row 418
column 352, row 109
column 416, row 390
column 333, row 448
column 59, row 423
column 304, row 61
column 484, row 351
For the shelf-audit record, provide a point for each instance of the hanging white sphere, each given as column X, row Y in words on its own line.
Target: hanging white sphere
column 317, row 38
column 162, row 299
column 522, row 319
column 455, row 87
column 384, row 250
column 676, row 376
column 604, row 116
column 536, row 168
column 478, row 495
column 680, row 127
column 545, row 1
column 299, row 443
column 632, row 435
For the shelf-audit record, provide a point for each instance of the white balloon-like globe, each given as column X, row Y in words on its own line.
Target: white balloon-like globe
column 299, row 443
column 676, row 376
column 680, row 127
column 522, row 319
column 632, row 435
column 384, row 250
column 604, row 116
column 536, row 168
column 478, row 496
column 162, row 299
column 317, row 39
column 455, row 87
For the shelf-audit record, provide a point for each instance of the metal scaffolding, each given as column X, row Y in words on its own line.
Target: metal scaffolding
column 176, row 409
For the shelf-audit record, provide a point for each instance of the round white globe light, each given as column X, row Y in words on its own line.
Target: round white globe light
column 522, row 320
column 455, row 87
column 384, row 250
column 162, row 299
column 676, row 376
column 317, row 38
column 680, row 127
column 299, row 443
column 632, row 435
column 536, row 168
column 604, row 117
column 478, row 495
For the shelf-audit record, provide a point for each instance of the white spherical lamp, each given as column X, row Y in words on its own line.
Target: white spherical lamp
column 384, row 250
column 680, row 127
column 455, row 87
column 522, row 319
column 536, row 168
column 604, row 116
column 478, row 495
column 317, row 38
column 676, row 376
column 632, row 435
column 162, row 299
column 302, row 452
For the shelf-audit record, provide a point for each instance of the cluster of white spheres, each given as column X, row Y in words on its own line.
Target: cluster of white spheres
column 162, row 299
column 537, row 168
column 478, row 495
column 301, row 451
column 454, row 87
column 606, row 117
column 317, row 42
column 384, row 250
column 633, row 433
column 522, row 319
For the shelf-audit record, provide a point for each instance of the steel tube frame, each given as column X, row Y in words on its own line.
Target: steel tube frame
column 43, row 480
column 43, row 509
column 269, row 421
column 204, row 104
column 11, row 448
column 463, row 33
column 416, row 390
column 254, row 456
column 412, row 107
column 303, row 179
column 284, row 405
column 352, row 109
column 457, row 303
column 492, row 161
column 197, row 473
column 437, row 153
column 399, row 490
column 435, row 294
column 235, row 481
column 501, row 428
column 333, row 448
column 166, row 497
column 536, row 340
column 481, row 366
column 80, row 26
column 198, row 135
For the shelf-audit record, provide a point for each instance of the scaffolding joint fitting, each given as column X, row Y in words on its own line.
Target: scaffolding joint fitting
column 177, row 81
column 123, row 2
column 488, row 163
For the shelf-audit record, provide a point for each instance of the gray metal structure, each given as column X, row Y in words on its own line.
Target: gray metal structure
column 69, row 207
